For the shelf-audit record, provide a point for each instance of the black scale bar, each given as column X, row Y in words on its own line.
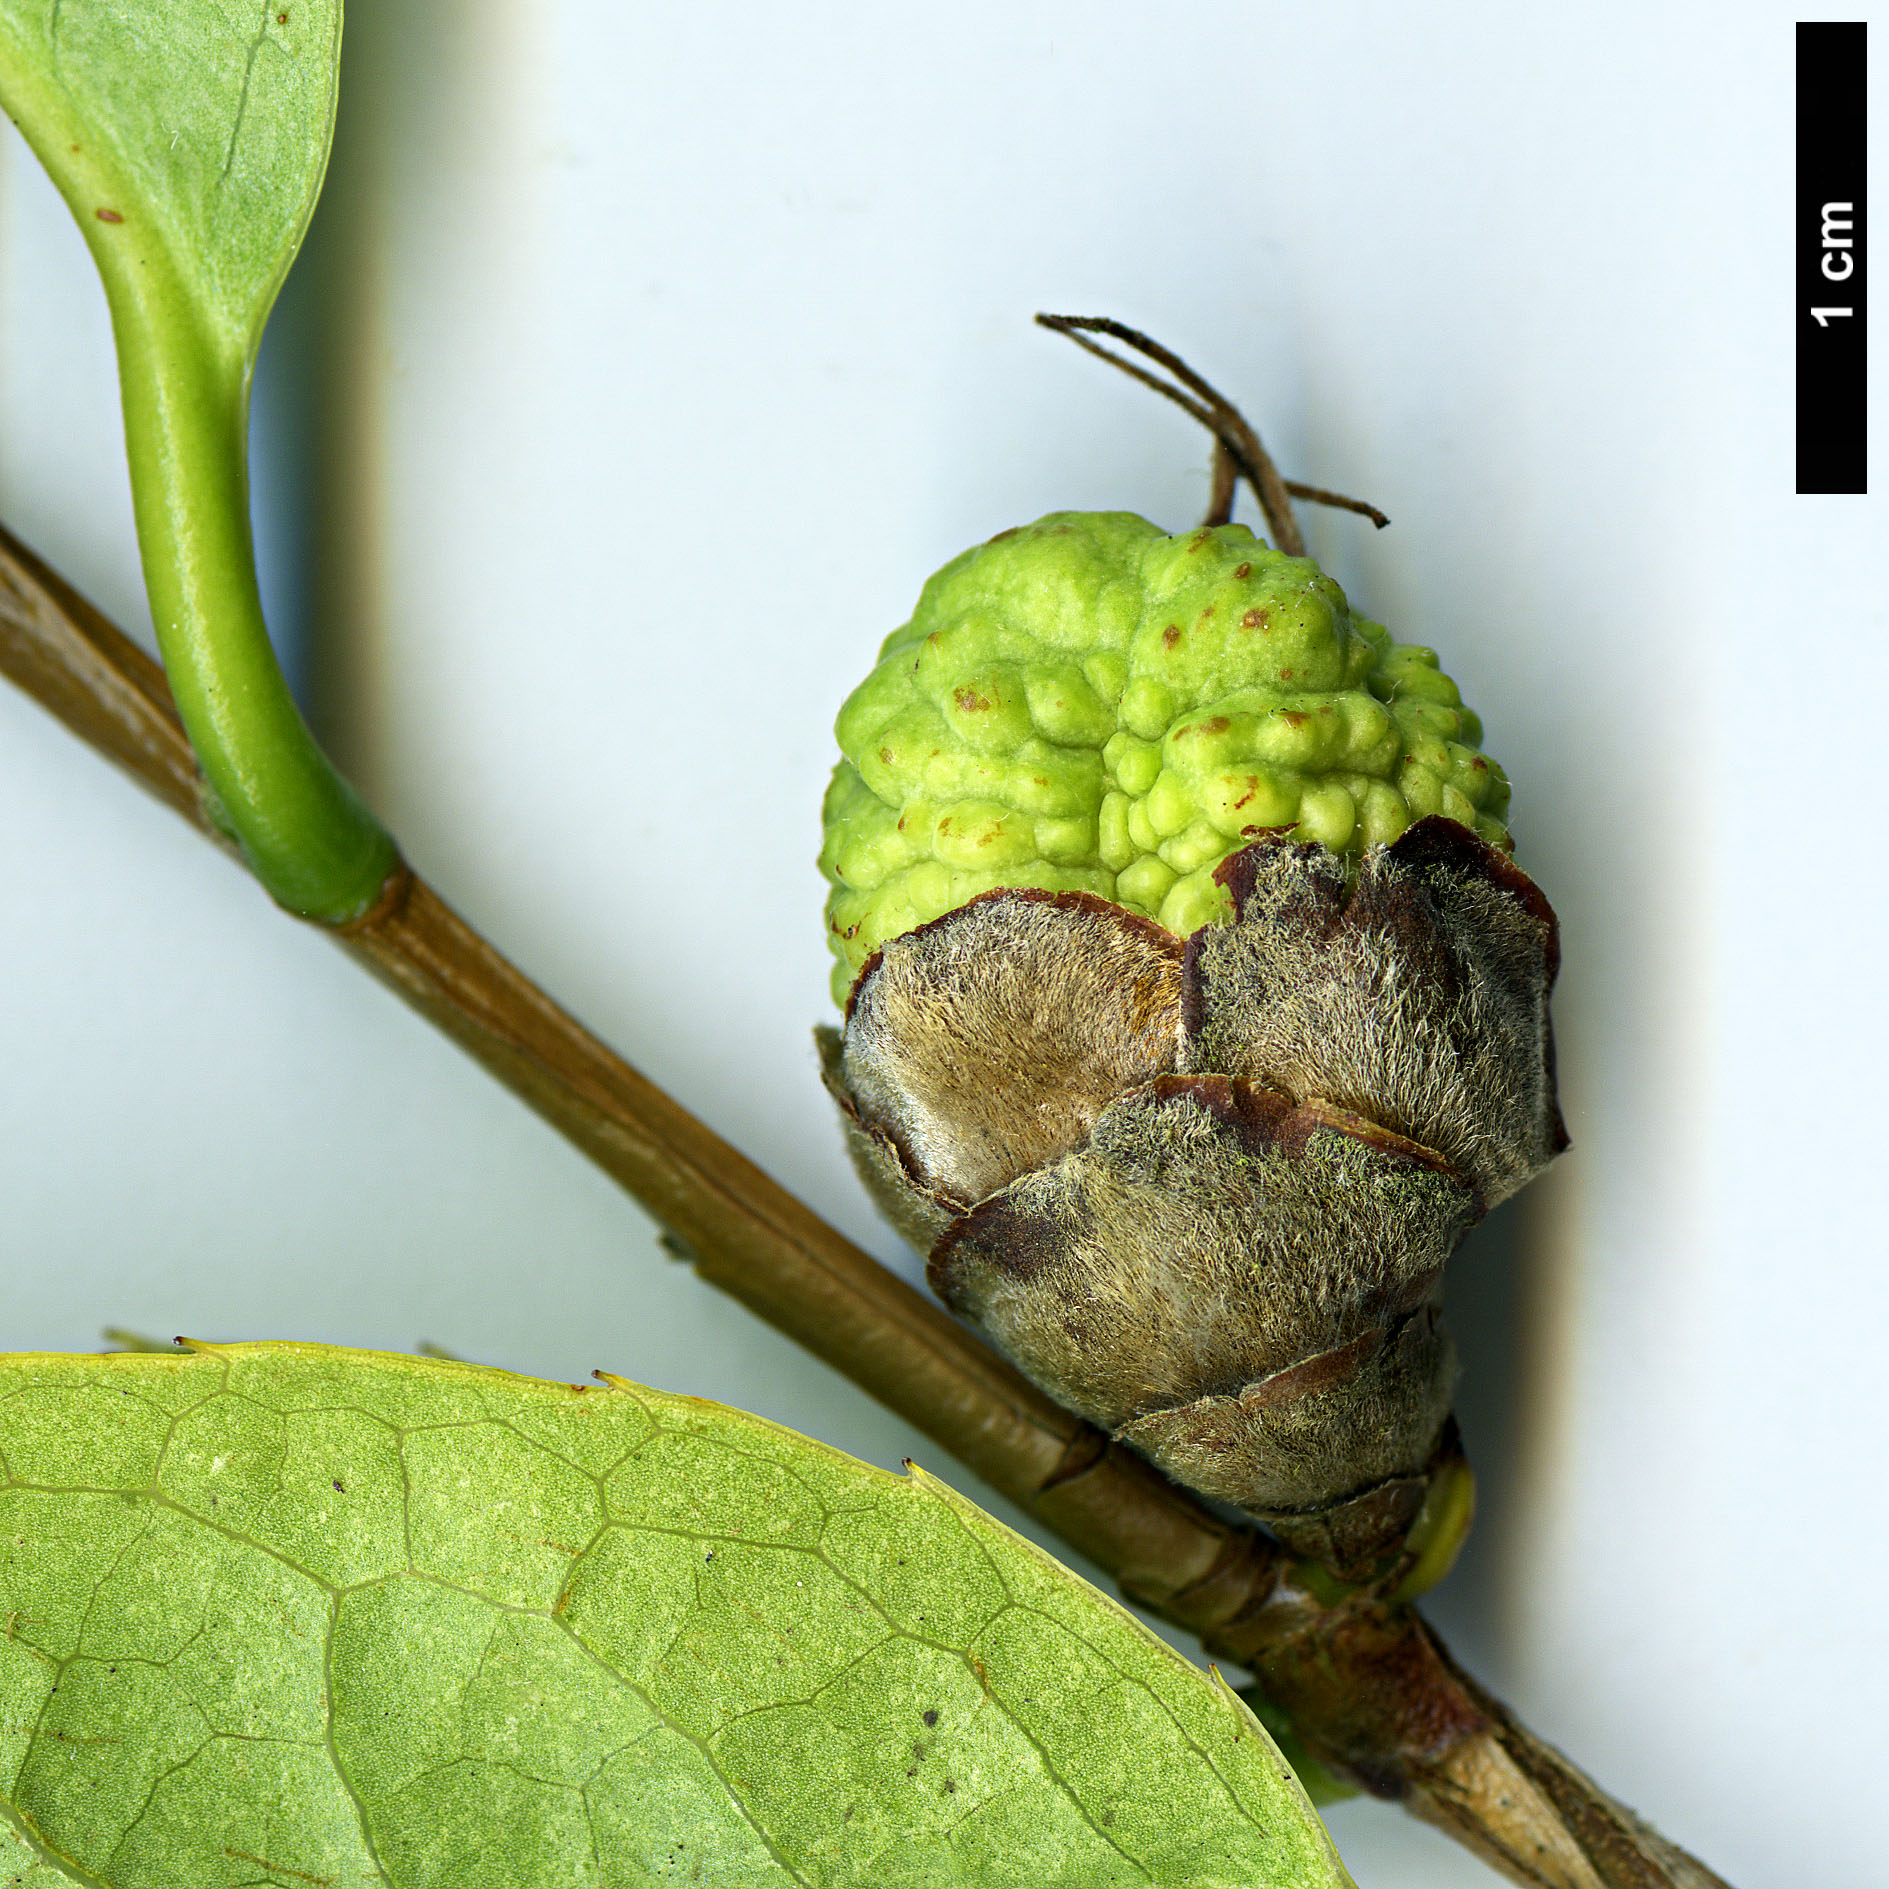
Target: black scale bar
column 1832, row 267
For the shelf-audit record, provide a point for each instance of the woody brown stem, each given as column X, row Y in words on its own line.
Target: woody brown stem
column 1377, row 1697
column 1368, row 1688
column 745, row 1233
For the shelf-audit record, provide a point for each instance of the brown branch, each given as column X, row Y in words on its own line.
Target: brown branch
column 1376, row 1696
column 1368, row 1688
column 745, row 1233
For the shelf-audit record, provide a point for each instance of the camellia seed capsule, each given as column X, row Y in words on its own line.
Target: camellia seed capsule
column 1194, row 1010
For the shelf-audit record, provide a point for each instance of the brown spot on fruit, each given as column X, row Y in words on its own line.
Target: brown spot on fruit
column 1213, row 725
column 1242, row 570
column 1293, row 717
column 1002, row 535
column 971, row 702
column 108, row 216
column 930, row 1716
column 885, row 754
column 1285, row 675
column 1171, row 635
column 1254, row 619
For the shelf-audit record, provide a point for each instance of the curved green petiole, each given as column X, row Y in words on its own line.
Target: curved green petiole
column 190, row 145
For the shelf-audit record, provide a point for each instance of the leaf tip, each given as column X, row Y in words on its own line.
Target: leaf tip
column 934, row 1486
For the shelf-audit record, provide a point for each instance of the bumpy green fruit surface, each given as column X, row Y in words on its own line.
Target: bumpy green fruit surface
column 1088, row 704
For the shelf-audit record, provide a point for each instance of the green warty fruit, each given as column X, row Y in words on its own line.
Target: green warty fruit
column 1088, row 704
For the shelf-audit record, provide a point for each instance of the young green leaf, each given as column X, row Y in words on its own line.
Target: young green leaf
column 282, row 1613
column 189, row 138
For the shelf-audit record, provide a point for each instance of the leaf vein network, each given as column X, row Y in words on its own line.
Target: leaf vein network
column 28, row 1833
column 362, row 1821
column 1142, row 1686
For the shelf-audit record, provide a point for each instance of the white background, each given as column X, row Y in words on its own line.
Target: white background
column 643, row 363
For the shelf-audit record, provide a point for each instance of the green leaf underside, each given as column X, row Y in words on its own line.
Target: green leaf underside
column 281, row 1614
column 189, row 138
column 203, row 123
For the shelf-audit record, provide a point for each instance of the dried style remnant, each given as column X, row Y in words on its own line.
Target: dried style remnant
column 1203, row 1193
